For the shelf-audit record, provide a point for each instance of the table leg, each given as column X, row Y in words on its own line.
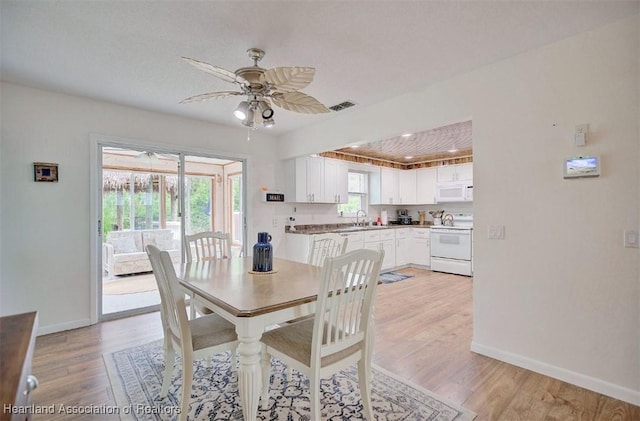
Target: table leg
column 250, row 373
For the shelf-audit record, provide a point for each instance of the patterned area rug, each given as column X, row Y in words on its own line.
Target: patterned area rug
column 136, row 378
column 391, row 277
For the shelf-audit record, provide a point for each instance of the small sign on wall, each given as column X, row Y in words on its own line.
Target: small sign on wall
column 45, row 171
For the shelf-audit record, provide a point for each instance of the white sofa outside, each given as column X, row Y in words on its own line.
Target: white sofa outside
column 123, row 252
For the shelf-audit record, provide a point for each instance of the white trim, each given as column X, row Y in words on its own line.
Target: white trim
column 591, row 383
column 95, row 207
column 64, row 326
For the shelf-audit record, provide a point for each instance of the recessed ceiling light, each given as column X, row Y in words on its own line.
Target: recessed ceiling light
column 452, row 150
column 355, row 146
column 406, row 134
column 408, row 157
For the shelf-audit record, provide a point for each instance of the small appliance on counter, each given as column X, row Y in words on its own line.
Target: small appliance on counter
column 384, row 218
column 403, row 217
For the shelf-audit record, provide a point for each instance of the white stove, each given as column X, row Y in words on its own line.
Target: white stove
column 451, row 246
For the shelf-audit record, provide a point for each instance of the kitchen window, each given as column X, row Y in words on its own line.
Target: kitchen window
column 357, row 189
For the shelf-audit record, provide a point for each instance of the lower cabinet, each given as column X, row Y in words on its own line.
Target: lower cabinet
column 355, row 241
column 404, row 238
column 402, row 246
column 421, row 247
column 382, row 240
column 297, row 247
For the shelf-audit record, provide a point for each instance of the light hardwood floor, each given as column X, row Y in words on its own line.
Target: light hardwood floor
column 423, row 334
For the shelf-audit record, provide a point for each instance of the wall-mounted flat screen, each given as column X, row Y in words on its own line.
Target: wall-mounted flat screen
column 582, row 166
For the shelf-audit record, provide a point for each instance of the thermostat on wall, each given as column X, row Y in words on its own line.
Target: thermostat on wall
column 582, row 166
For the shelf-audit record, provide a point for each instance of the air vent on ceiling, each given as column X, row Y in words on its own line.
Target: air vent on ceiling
column 342, row 105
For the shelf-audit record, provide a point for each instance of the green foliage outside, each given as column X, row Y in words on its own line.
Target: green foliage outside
column 147, row 213
column 352, row 206
column 199, row 202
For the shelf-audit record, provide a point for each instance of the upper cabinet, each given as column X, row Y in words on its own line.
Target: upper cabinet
column 336, row 180
column 304, row 179
column 383, row 186
column 426, row 185
column 313, row 179
column 457, row 172
column 407, row 187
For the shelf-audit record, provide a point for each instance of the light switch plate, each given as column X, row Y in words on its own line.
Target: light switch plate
column 496, row 232
column 631, row 239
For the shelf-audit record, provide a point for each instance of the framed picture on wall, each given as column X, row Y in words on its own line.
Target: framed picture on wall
column 45, row 171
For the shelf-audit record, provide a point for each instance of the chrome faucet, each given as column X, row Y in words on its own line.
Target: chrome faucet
column 364, row 215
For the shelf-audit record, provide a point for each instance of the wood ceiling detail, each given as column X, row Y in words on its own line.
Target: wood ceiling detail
column 430, row 147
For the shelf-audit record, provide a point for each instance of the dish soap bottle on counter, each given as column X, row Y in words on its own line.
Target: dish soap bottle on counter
column 263, row 253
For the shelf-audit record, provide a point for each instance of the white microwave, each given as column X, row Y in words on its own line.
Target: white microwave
column 454, row 192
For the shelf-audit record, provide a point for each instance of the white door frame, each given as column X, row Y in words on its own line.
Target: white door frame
column 97, row 142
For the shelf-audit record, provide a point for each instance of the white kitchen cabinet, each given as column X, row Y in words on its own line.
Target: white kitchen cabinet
column 389, row 185
column 336, row 178
column 383, row 186
column 355, row 240
column 457, row 172
column 404, row 241
column 421, row 246
column 382, row 240
column 297, row 247
column 304, row 179
column 426, row 185
column 407, row 187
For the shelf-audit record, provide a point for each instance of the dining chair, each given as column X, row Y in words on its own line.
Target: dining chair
column 325, row 245
column 207, row 245
column 322, row 246
column 340, row 334
column 194, row 338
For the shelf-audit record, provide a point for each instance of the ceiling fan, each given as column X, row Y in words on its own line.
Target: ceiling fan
column 280, row 84
column 154, row 156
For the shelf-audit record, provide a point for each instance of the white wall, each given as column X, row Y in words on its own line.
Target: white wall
column 45, row 227
column 560, row 294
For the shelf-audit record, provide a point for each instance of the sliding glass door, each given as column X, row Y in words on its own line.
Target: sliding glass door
column 155, row 197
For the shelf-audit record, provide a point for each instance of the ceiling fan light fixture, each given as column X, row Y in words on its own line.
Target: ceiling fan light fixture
column 242, row 111
column 249, row 116
column 265, row 109
column 262, row 87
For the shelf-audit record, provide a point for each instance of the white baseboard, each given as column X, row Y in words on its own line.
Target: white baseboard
column 45, row 330
column 596, row 385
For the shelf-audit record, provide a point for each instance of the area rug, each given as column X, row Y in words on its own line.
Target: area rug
column 130, row 284
column 391, row 277
column 136, row 378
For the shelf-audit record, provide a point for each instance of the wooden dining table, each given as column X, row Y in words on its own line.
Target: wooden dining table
column 252, row 302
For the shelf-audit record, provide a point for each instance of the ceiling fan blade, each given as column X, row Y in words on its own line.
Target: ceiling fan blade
column 298, row 102
column 219, row 72
column 209, row 96
column 154, row 156
column 288, row 79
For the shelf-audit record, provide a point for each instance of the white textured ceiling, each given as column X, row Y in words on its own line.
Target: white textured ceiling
column 128, row 52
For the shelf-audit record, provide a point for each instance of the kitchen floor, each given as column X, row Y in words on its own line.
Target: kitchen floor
column 424, row 329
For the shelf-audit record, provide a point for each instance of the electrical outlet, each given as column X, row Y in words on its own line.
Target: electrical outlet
column 496, row 232
column 631, row 239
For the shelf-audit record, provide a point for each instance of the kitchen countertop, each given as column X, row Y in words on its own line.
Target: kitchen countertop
column 345, row 228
